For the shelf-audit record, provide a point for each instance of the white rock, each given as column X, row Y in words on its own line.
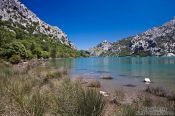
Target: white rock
column 147, row 80
column 170, row 54
column 104, row 93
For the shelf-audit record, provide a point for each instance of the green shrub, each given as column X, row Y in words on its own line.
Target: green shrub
column 37, row 51
column 45, row 54
column 29, row 54
column 15, row 48
column 15, row 59
column 6, row 37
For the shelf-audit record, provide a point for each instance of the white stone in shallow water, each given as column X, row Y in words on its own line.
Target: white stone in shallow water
column 147, row 80
column 104, row 93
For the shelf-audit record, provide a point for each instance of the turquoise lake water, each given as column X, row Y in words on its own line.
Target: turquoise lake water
column 124, row 70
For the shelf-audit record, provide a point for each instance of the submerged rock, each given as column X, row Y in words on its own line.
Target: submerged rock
column 130, row 85
column 106, row 77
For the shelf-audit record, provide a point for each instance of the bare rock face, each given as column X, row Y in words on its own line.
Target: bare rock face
column 15, row 11
column 157, row 41
column 102, row 47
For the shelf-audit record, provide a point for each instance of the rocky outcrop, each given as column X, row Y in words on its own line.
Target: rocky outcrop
column 157, row 41
column 15, row 11
column 102, row 47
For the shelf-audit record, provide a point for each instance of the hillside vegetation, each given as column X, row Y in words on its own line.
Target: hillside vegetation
column 19, row 42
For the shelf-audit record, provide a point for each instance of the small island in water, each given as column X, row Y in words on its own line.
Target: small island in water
column 42, row 73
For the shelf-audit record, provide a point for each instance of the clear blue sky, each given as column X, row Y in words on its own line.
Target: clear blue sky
column 88, row 22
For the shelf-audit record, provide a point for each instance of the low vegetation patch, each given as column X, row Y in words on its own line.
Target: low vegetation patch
column 156, row 91
column 95, row 84
column 25, row 94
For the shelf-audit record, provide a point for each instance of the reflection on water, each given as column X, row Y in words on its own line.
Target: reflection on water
column 161, row 70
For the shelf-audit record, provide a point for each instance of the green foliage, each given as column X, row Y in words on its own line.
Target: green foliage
column 143, row 53
column 28, row 45
column 45, row 54
column 37, row 51
column 6, row 37
column 15, row 48
column 15, row 59
column 53, row 53
column 124, row 52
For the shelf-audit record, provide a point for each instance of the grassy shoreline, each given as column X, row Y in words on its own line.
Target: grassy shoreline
column 33, row 89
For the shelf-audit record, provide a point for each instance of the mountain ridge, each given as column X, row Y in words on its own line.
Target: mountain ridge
column 156, row 41
column 17, row 12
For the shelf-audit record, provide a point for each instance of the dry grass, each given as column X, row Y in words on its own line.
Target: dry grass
column 45, row 92
column 94, row 84
column 160, row 92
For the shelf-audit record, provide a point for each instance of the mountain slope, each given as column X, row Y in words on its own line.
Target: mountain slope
column 157, row 41
column 24, row 36
column 15, row 11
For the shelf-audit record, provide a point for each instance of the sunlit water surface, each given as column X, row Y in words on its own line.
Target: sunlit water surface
column 124, row 70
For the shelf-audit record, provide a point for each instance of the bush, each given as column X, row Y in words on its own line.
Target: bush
column 15, row 59
column 45, row 54
column 15, row 48
column 6, row 37
column 29, row 54
column 37, row 51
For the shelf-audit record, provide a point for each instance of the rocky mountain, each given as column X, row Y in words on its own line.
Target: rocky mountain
column 157, row 41
column 15, row 11
column 100, row 48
